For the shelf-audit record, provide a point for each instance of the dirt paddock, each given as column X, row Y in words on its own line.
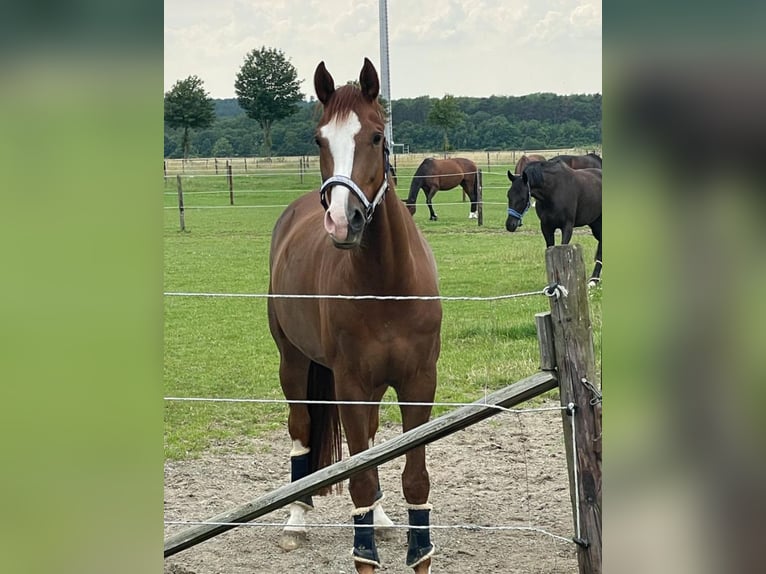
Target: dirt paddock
column 507, row 471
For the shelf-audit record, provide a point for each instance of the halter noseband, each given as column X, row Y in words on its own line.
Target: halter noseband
column 349, row 184
column 513, row 213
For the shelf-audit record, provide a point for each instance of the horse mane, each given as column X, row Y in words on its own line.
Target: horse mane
column 595, row 156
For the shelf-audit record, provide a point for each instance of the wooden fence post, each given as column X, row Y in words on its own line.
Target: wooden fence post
column 231, row 182
column 181, row 202
column 573, row 343
column 479, row 198
column 488, row 166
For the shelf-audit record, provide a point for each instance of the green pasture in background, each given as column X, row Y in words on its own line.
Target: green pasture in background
column 222, row 348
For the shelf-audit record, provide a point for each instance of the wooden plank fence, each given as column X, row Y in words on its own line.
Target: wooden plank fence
column 567, row 361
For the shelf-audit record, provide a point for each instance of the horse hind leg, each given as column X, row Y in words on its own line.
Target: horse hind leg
column 595, row 277
column 299, row 378
column 473, row 214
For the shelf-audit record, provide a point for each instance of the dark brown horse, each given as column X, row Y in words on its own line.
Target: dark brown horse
column 434, row 175
column 579, row 161
column 354, row 237
column 525, row 159
column 565, row 198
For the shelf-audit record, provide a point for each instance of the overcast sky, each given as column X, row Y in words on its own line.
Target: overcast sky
column 474, row 48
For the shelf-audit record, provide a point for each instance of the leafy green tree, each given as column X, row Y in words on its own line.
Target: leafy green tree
column 445, row 115
column 268, row 89
column 222, row 148
column 188, row 106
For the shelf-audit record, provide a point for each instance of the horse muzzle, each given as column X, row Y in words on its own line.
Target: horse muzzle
column 512, row 223
column 345, row 228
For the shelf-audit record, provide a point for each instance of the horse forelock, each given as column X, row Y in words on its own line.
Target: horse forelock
column 347, row 99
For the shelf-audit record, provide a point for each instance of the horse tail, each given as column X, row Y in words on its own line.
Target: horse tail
column 325, row 437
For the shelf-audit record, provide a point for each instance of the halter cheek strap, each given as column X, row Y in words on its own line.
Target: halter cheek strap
column 513, row 213
column 347, row 182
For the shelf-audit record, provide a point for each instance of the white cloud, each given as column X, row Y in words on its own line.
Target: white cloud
column 462, row 47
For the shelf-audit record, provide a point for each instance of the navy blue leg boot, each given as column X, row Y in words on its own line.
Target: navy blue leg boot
column 419, row 545
column 364, row 538
column 299, row 467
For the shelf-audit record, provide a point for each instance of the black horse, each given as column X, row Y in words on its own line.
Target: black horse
column 565, row 198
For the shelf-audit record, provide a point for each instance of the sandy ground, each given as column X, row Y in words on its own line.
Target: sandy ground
column 507, row 471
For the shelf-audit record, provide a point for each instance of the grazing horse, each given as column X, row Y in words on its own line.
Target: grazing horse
column 433, row 175
column 524, row 160
column 565, row 198
column 354, row 237
column 579, row 161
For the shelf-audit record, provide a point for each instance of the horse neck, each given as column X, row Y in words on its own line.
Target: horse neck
column 414, row 188
column 386, row 252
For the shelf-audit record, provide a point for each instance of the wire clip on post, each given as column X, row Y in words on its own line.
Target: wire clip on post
column 581, row 542
column 571, row 408
column 597, row 398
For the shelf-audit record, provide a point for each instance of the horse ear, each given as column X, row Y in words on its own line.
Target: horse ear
column 511, row 176
column 368, row 80
column 324, row 85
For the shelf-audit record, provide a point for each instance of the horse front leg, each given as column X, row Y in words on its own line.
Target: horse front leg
column 566, row 233
column 429, row 197
column 548, row 234
column 415, row 480
column 363, row 486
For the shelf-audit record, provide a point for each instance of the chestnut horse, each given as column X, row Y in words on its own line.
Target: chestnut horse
column 433, row 175
column 525, row 159
column 579, row 161
column 354, row 237
column 565, row 198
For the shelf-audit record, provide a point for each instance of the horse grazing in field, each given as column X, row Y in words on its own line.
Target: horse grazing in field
column 579, row 161
column 525, row 159
column 565, row 198
column 354, row 237
column 433, row 175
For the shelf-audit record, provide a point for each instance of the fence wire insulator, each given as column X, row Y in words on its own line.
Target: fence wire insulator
column 555, row 290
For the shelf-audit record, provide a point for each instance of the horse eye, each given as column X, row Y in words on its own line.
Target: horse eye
column 318, row 141
column 377, row 138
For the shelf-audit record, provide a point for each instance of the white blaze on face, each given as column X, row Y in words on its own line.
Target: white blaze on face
column 340, row 136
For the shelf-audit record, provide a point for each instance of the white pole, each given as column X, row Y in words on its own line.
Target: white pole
column 384, row 74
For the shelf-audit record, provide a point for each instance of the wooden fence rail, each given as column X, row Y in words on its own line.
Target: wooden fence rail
column 432, row 430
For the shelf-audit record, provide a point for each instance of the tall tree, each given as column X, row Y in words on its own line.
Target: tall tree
column 188, row 106
column 446, row 115
column 268, row 89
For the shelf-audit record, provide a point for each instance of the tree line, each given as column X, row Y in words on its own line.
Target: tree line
column 535, row 121
column 270, row 116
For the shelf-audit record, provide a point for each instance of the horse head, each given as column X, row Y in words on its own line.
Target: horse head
column 518, row 201
column 353, row 156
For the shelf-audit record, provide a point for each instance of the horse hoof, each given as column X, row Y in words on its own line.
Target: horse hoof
column 433, row 218
column 362, row 568
column 292, row 539
column 423, row 568
column 593, row 283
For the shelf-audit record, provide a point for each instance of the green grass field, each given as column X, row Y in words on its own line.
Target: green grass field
column 222, row 348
